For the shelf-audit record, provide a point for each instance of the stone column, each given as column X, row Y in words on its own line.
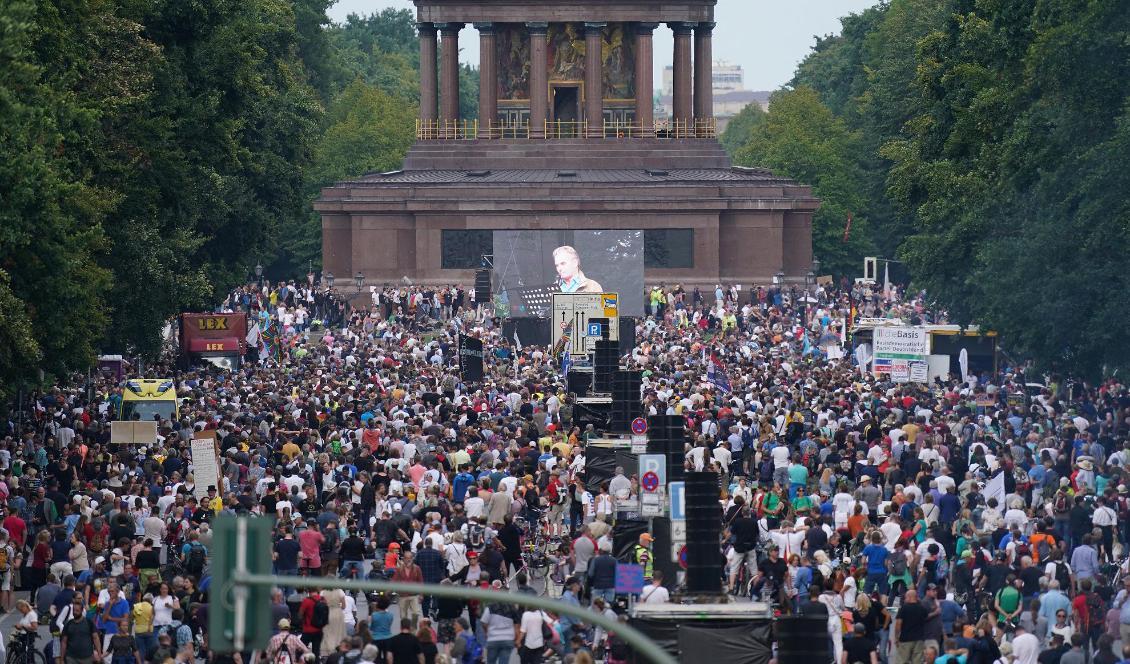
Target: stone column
column 449, row 71
column 488, row 80
column 594, row 79
column 427, row 71
column 703, row 78
column 539, row 79
column 645, row 85
column 681, row 84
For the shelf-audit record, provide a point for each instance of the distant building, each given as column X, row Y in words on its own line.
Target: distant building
column 730, row 95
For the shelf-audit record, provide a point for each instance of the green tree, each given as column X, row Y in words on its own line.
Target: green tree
column 739, row 128
column 367, row 130
column 51, row 293
column 800, row 138
column 1014, row 172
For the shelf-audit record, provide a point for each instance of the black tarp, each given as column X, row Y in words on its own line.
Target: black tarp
column 722, row 641
column 601, row 464
column 625, row 535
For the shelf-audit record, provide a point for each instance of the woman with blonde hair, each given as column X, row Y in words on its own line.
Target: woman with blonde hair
column 826, row 482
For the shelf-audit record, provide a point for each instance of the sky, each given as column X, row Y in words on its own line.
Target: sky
column 766, row 37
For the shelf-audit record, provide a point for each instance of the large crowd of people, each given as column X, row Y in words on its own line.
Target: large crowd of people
column 968, row 521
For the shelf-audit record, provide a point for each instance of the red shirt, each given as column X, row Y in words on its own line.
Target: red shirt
column 310, row 541
column 306, row 614
column 1080, row 606
column 17, row 530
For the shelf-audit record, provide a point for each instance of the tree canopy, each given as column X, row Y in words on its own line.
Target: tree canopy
column 987, row 149
column 152, row 153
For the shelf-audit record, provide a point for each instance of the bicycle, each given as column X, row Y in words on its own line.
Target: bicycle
column 22, row 651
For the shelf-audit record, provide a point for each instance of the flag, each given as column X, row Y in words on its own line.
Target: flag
column 517, row 343
column 271, row 343
column 847, row 228
column 994, row 488
column 566, row 362
column 716, row 374
column 253, row 336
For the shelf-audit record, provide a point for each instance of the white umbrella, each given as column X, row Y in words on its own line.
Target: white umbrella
column 963, row 362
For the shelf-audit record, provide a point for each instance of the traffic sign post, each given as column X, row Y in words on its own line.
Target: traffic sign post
column 594, row 330
column 656, row 465
column 639, row 426
column 675, row 491
column 237, row 621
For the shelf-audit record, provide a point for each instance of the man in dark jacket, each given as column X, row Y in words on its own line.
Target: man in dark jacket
column 602, row 574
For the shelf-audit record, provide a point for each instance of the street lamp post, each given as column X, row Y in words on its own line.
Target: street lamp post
column 329, row 279
column 359, row 279
column 259, row 274
column 809, row 277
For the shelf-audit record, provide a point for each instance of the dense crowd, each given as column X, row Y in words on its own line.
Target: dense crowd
column 962, row 522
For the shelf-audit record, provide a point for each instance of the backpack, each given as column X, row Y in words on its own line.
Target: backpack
column 941, row 570
column 476, row 537
column 1043, row 549
column 320, row 616
column 1062, row 504
column 195, row 562
column 817, row 578
column 1062, row 574
column 5, row 565
column 473, row 652
column 1096, row 614
column 546, row 630
column 283, row 656
column 898, row 564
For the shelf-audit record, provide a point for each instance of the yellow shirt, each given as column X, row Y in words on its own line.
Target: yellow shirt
column 142, row 618
column 216, row 505
column 290, row 450
column 911, row 431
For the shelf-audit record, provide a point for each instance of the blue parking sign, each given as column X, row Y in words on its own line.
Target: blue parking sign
column 678, row 502
column 594, row 329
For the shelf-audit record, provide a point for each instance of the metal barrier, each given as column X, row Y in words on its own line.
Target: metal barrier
column 636, row 639
column 466, row 130
column 566, row 129
column 447, row 130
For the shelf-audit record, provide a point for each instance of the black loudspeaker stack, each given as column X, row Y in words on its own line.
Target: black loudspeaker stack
column 579, row 382
column 606, row 357
column 799, row 639
column 667, row 435
column 627, row 335
column 482, row 286
column 704, row 531
column 626, row 404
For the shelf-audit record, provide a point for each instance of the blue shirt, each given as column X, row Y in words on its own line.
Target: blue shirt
column 460, row 485
column 876, row 558
column 564, row 620
column 951, row 611
column 118, row 609
column 1052, row 602
column 380, row 625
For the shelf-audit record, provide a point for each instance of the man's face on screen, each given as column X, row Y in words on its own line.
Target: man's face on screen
column 566, row 264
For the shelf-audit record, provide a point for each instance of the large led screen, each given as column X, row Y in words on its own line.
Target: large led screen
column 531, row 265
